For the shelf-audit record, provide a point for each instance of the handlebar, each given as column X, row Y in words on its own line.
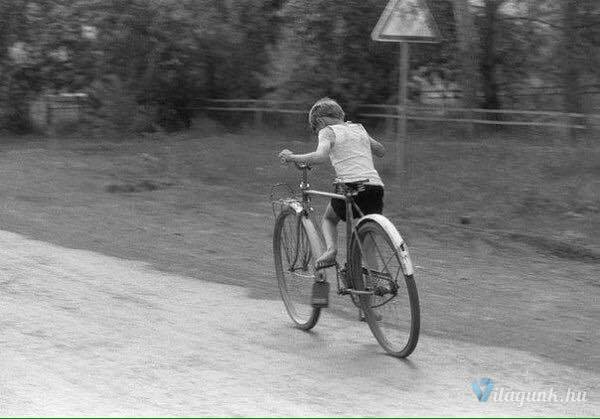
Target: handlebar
column 299, row 166
column 303, row 166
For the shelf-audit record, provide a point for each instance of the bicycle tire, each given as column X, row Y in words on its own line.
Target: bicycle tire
column 385, row 324
column 305, row 247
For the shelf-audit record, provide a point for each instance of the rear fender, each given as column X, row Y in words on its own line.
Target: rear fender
column 397, row 240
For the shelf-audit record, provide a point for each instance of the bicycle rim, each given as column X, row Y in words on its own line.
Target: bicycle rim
column 392, row 312
column 294, row 250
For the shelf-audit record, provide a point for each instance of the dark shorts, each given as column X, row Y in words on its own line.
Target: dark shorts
column 370, row 201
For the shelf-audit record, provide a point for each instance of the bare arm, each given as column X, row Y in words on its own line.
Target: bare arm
column 320, row 155
column 377, row 148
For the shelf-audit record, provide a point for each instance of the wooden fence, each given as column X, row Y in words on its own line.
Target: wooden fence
column 532, row 118
column 68, row 108
column 444, row 114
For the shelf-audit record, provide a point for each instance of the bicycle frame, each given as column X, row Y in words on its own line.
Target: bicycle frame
column 347, row 198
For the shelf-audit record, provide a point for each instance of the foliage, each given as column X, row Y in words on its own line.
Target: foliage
column 147, row 62
column 133, row 57
column 324, row 48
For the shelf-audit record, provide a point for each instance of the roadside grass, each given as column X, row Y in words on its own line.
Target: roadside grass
column 496, row 181
column 543, row 195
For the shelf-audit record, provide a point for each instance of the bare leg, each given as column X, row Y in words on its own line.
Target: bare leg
column 329, row 227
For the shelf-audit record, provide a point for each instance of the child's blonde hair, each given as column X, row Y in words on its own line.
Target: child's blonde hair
column 324, row 108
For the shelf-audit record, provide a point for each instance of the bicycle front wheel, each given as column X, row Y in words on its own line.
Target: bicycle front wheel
column 296, row 246
column 391, row 307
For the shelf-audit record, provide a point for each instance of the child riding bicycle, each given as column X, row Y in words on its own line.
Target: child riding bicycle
column 350, row 149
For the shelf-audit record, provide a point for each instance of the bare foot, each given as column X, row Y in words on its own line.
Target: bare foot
column 327, row 259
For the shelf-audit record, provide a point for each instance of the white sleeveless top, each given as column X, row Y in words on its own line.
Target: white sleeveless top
column 350, row 153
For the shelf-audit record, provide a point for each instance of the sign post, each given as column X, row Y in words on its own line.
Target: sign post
column 403, row 103
column 404, row 21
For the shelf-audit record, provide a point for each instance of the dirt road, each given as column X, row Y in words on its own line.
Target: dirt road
column 88, row 334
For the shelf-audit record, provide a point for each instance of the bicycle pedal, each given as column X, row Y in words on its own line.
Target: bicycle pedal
column 325, row 265
column 363, row 318
column 320, row 294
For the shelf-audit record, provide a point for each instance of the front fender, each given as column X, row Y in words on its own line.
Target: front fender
column 295, row 205
column 397, row 240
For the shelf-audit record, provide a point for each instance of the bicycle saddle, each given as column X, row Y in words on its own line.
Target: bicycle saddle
column 356, row 186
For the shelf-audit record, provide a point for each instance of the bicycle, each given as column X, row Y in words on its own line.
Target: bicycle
column 376, row 255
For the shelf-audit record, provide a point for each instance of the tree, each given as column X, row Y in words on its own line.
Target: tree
column 136, row 58
column 148, row 61
column 324, row 48
column 469, row 48
column 489, row 59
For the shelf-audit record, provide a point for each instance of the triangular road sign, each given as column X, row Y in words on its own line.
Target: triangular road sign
column 406, row 21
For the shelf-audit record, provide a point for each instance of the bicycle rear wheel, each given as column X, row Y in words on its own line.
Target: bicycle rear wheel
column 296, row 246
column 392, row 310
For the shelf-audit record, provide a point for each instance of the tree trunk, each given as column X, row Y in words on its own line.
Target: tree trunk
column 489, row 60
column 570, row 70
column 468, row 46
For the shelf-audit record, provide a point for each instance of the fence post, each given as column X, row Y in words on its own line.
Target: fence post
column 573, row 130
column 50, row 116
column 402, row 116
column 48, row 112
column 567, row 131
column 258, row 119
column 390, row 127
column 79, row 112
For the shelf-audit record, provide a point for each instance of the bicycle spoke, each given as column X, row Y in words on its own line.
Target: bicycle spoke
column 293, row 256
column 305, row 249
column 388, row 261
column 285, row 243
column 398, row 273
column 379, row 251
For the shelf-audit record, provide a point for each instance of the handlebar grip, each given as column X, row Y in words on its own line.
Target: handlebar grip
column 299, row 166
column 302, row 166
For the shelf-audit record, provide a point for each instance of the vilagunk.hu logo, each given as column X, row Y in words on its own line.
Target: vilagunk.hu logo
column 484, row 390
